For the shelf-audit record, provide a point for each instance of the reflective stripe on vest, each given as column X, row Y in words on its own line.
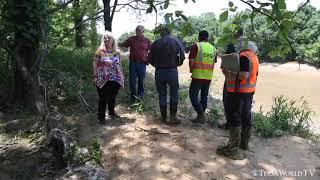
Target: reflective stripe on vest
column 203, row 64
column 248, row 85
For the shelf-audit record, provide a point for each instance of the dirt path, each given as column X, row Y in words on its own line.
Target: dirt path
column 188, row 152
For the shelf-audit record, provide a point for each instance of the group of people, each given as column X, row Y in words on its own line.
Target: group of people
column 166, row 54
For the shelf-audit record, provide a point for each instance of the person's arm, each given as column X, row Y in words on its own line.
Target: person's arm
column 192, row 56
column 125, row 44
column 148, row 51
column 150, row 58
column 182, row 56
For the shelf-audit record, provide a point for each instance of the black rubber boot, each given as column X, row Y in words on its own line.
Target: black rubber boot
column 173, row 115
column 102, row 119
column 163, row 111
column 201, row 116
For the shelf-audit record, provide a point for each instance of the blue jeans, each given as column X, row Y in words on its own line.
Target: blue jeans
column 195, row 88
column 136, row 71
column 164, row 77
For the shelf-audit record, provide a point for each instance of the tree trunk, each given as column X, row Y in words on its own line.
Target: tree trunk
column 25, row 55
column 78, row 17
column 107, row 15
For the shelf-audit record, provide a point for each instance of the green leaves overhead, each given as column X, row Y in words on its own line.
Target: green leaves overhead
column 224, row 16
column 281, row 4
column 231, row 4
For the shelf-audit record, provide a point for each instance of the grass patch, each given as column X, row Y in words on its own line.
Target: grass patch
column 287, row 116
column 215, row 113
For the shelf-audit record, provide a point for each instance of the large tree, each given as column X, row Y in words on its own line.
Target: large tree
column 27, row 21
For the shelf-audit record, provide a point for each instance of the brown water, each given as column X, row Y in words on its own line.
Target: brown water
column 279, row 79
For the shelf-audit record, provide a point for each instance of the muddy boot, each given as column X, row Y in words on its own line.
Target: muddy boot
column 231, row 149
column 245, row 138
column 102, row 118
column 200, row 118
column 173, row 115
column 163, row 111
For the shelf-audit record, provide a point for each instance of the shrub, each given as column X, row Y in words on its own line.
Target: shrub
column 285, row 116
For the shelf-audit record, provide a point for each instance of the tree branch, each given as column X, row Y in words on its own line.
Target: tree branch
column 258, row 10
column 299, row 9
column 114, row 8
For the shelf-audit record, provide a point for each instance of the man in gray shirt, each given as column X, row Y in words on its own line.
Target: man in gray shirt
column 165, row 55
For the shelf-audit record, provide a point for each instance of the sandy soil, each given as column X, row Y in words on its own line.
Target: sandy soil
column 188, row 152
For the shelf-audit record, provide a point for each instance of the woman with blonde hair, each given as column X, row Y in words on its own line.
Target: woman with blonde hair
column 107, row 75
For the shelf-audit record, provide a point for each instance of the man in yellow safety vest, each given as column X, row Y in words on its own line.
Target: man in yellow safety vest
column 202, row 58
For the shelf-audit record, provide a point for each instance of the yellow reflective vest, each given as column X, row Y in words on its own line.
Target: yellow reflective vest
column 203, row 64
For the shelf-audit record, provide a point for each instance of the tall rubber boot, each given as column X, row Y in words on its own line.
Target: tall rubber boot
column 245, row 138
column 231, row 149
column 163, row 111
column 200, row 117
column 173, row 115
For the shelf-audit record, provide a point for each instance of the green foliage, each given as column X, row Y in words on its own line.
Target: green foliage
column 77, row 62
column 139, row 106
column 224, row 16
column 5, row 73
column 215, row 113
column 34, row 13
column 67, row 73
column 183, row 95
column 306, row 36
column 286, row 116
column 77, row 155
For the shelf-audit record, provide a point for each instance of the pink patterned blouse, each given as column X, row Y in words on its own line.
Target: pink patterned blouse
column 109, row 67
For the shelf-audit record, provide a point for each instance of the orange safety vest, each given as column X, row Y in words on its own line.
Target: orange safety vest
column 248, row 85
